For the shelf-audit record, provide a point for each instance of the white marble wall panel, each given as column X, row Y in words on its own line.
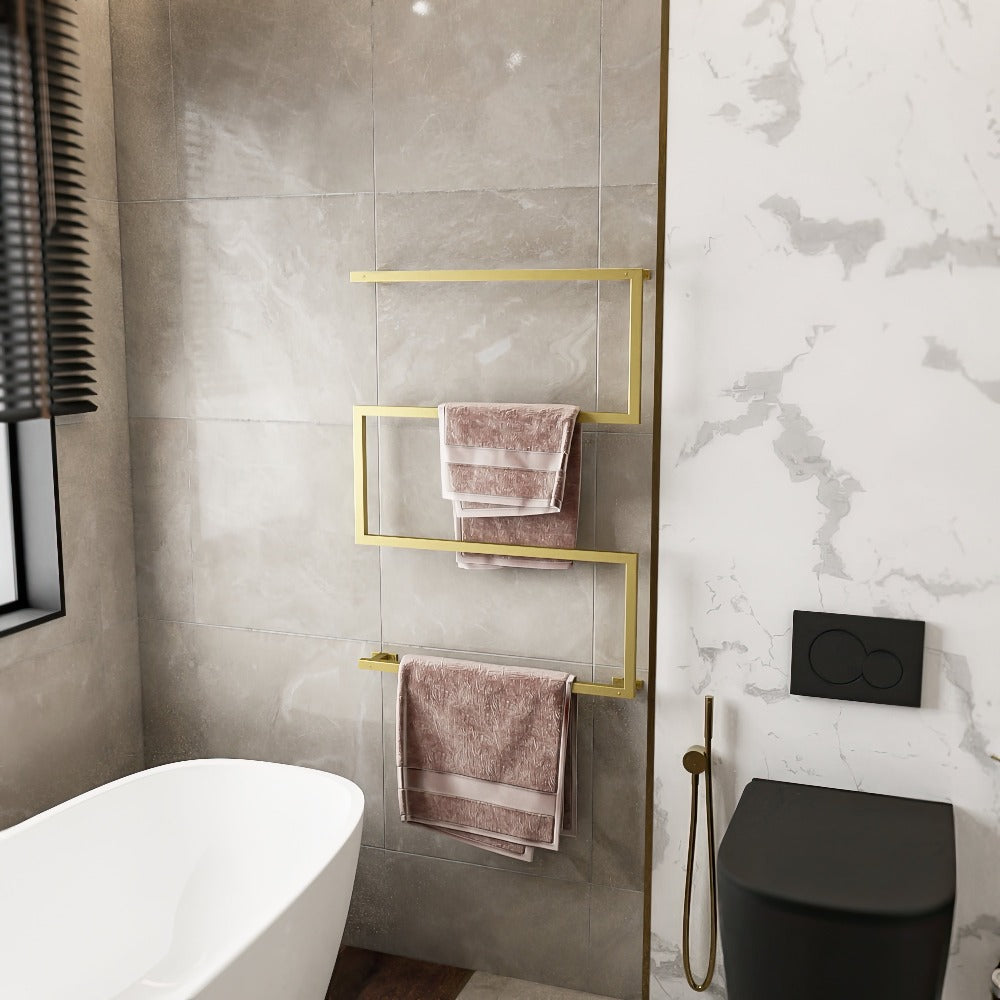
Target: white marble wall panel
column 831, row 412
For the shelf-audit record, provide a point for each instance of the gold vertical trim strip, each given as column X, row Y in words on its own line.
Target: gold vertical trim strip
column 659, row 319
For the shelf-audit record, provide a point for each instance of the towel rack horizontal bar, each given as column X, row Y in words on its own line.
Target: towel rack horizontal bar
column 507, row 274
column 635, row 276
column 388, row 663
column 431, row 412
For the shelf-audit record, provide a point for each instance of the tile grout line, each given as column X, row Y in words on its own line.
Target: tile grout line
column 125, row 353
column 387, row 194
column 173, row 98
column 383, row 678
column 597, row 337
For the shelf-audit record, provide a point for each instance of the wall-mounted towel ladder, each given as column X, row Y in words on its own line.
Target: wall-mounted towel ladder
column 619, row 687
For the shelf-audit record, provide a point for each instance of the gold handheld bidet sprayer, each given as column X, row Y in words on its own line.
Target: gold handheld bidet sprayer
column 697, row 761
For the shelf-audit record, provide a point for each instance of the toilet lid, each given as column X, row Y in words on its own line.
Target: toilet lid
column 851, row 852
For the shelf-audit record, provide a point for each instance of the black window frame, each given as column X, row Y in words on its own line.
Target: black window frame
column 41, row 595
column 17, row 527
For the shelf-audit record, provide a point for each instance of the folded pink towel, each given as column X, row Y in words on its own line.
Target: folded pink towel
column 512, row 472
column 484, row 753
column 552, row 531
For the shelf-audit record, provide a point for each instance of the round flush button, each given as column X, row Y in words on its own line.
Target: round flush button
column 882, row 669
column 837, row 657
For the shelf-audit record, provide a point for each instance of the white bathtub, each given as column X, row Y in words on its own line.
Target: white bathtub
column 215, row 879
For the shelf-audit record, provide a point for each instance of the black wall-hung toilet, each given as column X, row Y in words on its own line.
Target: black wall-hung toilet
column 834, row 895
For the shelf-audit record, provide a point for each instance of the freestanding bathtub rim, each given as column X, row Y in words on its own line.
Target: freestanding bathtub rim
column 353, row 791
column 354, row 800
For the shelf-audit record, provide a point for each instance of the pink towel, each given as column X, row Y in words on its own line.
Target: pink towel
column 486, row 754
column 512, row 472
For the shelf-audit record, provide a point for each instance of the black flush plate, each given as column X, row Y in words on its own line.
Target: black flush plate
column 857, row 658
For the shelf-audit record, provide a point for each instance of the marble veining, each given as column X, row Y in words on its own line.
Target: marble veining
column 946, row 359
column 780, row 84
column 830, row 409
column 850, row 241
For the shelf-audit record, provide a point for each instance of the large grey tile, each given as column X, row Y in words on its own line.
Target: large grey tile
column 59, row 712
column 108, row 321
column 624, row 499
column 118, row 649
column 471, row 917
column 510, row 341
column 272, row 99
column 216, row 692
column 476, row 94
column 145, row 123
column 571, row 862
column 273, row 326
column 97, row 100
column 630, row 90
column 619, row 789
column 628, row 239
column 273, row 531
column 410, row 501
column 152, row 242
column 428, row 600
column 243, row 309
column 113, row 547
column 162, row 472
column 77, row 446
column 615, row 943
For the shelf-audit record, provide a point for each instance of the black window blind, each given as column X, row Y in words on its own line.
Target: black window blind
column 46, row 356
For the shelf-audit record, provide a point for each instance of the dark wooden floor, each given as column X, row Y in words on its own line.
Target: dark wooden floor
column 368, row 975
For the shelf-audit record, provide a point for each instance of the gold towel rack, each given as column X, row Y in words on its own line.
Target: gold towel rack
column 619, row 687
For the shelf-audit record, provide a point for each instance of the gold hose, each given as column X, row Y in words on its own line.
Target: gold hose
column 698, row 759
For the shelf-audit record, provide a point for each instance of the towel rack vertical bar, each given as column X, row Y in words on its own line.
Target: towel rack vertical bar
column 635, row 287
column 360, row 476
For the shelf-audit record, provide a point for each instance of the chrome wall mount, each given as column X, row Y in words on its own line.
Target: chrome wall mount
column 619, row 687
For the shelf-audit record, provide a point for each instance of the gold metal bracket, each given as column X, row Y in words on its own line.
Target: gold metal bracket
column 619, row 687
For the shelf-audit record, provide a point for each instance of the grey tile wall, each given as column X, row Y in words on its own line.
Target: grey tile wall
column 261, row 158
column 294, row 699
column 70, row 715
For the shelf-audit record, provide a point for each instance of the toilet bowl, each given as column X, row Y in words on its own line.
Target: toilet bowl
column 829, row 894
